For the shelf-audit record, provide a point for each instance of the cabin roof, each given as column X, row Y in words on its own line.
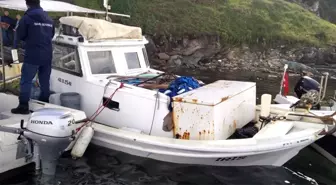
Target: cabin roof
column 98, row 29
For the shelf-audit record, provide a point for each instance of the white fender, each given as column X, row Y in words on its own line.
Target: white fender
column 83, row 142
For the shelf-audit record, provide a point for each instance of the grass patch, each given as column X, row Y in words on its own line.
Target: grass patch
column 12, row 86
column 236, row 21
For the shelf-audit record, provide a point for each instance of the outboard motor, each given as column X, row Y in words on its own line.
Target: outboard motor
column 307, row 90
column 306, row 84
column 52, row 130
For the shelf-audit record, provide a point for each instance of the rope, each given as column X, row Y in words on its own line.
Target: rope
column 266, row 120
column 100, row 109
column 157, row 104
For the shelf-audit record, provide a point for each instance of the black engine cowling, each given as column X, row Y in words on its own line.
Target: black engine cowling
column 304, row 85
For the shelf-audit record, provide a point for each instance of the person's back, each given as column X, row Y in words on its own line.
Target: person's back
column 36, row 29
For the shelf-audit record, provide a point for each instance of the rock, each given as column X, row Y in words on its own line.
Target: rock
column 274, row 63
column 175, row 57
column 176, row 51
column 150, row 47
column 163, row 56
column 330, row 58
column 311, row 5
column 192, row 47
column 185, row 42
column 178, row 62
column 299, row 68
column 157, row 62
column 192, row 61
column 231, row 55
column 191, row 50
column 175, row 61
column 245, row 47
column 205, row 52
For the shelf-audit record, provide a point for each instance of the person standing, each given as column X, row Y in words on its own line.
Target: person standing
column 7, row 32
column 36, row 29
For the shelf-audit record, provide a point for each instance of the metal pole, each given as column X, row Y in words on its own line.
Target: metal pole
column 106, row 15
column 2, row 59
column 325, row 85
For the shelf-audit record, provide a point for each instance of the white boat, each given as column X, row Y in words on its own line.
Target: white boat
column 138, row 121
column 107, row 76
column 274, row 145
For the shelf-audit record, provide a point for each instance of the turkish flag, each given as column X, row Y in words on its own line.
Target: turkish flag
column 285, row 84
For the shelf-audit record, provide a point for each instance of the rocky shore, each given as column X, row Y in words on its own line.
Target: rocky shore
column 207, row 52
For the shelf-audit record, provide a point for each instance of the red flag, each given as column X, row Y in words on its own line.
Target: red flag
column 285, row 85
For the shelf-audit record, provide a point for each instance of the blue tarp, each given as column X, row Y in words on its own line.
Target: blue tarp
column 180, row 85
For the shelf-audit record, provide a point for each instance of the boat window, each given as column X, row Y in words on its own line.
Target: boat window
column 101, row 62
column 66, row 59
column 145, row 56
column 132, row 60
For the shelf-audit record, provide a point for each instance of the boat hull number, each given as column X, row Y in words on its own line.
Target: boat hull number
column 63, row 81
column 230, row 158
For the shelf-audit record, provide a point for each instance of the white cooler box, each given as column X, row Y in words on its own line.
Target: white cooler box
column 214, row 111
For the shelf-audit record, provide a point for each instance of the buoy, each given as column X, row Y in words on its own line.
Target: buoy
column 266, row 100
column 82, row 142
column 72, row 144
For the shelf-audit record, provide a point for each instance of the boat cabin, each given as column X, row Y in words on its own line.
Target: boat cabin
column 102, row 50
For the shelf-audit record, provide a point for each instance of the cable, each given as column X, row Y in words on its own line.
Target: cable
column 157, row 104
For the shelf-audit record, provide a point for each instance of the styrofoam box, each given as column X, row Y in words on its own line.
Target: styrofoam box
column 214, row 111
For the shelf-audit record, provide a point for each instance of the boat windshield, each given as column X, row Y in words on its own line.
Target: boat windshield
column 65, row 58
column 132, row 60
column 101, row 62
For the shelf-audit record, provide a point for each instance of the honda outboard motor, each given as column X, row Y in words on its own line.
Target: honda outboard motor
column 304, row 85
column 53, row 131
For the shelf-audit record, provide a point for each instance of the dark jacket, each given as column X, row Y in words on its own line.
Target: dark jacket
column 36, row 29
column 9, row 21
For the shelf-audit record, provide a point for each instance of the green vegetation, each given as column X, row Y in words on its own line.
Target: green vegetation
column 12, row 86
column 236, row 21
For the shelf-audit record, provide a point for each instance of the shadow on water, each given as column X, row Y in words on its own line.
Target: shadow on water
column 102, row 166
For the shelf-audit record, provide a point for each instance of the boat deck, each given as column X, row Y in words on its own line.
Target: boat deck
column 7, row 115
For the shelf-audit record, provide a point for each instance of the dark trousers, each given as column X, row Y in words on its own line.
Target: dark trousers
column 28, row 73
column 5, row 37
column 15, row 41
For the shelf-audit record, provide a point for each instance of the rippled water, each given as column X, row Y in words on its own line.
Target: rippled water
column 102, row 166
